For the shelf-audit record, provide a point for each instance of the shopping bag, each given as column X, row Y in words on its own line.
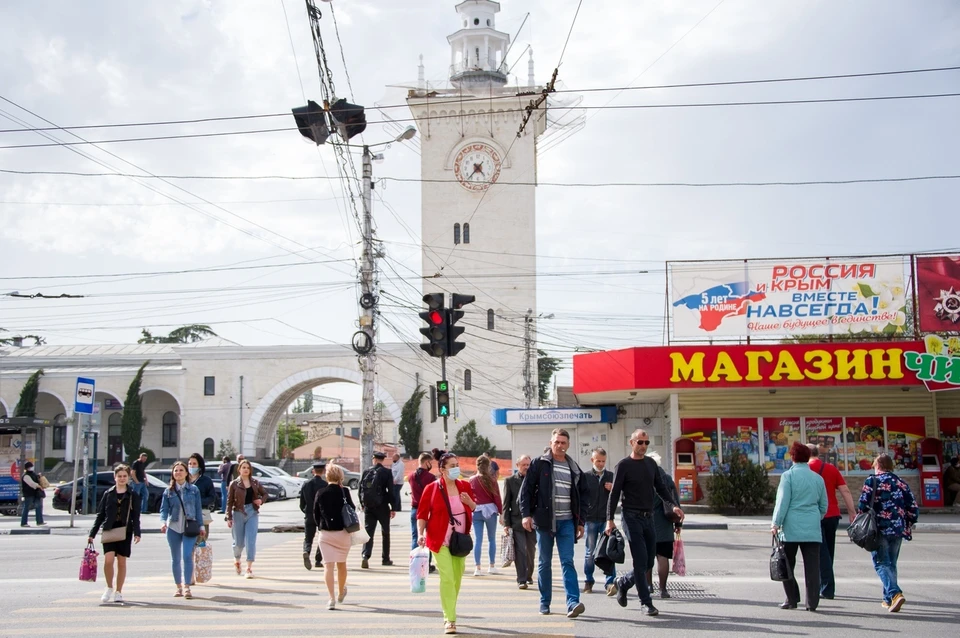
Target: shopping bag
column 359, row 537
column 863, row 531
column 419, row 565
column 88, row 565
column 506, row 549
column 779, row 568
column 679, row 558
column 202, row 562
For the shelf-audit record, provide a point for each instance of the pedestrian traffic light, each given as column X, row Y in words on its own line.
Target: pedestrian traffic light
column 454, row 314
column 312, row 122
column 443, row 398
column 349, row 118
column 436, row 330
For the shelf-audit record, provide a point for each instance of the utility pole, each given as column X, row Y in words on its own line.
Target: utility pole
column 367, row 350
column 527, row 372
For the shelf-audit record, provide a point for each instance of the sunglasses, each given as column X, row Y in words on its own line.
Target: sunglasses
column 639, row 442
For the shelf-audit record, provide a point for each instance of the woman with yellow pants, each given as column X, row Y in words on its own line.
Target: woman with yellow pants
column 446, row 506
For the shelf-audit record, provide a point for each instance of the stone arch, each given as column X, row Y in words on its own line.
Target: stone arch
column 6, row 408
column 112, row 395
column 172, row 394
column 67, row 407
column 263, row 421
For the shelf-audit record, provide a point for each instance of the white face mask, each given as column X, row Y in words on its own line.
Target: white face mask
column 598, row 470
column 194, row 471
column 453, row 473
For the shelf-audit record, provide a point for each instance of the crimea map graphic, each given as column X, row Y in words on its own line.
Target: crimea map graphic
column 720, row 302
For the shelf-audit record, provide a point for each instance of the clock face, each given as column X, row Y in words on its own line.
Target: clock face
column 477, row 166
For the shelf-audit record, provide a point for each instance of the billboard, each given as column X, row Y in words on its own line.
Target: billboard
column 796, row 297
column 938, row 293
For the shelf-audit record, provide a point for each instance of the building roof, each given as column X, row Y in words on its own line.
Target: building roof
column 123, row 350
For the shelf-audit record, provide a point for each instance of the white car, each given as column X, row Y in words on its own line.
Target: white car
column 292, row 484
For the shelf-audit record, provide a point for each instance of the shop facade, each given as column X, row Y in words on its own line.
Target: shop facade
column 854, row 400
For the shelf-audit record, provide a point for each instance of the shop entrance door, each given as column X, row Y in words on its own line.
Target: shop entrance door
column 114, row 440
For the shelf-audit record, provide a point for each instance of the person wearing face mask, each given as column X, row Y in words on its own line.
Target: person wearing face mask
column 119, row 508
column 419, row 480
column 598, row 482
column 524, row 542
column 180, row 502
column 440, row 499
column 208, row 494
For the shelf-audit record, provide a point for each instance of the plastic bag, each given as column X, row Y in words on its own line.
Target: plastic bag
column 202, row 562
column 359, row 537
column 88, row 565
column 679, row 558
column 419, row 565
column 506, row 549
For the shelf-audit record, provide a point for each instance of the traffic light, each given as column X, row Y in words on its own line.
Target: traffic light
column 312, row 122
column 454, row 314
column 443, row 398
column 349, row 118
column 436, row 330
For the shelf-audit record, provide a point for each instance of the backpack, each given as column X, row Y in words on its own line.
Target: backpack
column 370, row 493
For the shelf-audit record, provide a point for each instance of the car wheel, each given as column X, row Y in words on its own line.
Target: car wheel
column 353, row 484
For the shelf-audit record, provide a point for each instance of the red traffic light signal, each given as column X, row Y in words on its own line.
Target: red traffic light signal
column 436, row 329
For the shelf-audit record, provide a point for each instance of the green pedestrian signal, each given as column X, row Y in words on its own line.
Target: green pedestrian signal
column 443, row 398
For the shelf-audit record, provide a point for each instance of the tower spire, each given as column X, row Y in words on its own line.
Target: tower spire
column 421, row 81
column 531, row 82
column 477, row 49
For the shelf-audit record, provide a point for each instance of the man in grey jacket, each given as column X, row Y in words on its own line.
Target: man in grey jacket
column 524, row 542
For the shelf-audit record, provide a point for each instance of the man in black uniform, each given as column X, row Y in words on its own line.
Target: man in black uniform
column 635, row 478
column 308, row 494
column 376, row 499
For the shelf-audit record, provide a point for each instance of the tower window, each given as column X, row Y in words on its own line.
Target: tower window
column 476, row 21
column 488, row 22
column 467, row 379
column 490, row 316
column 466, row 233
column 456, row 234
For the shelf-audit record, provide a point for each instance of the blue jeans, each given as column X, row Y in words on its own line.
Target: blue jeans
column 245, row 533
column 413, row 527
column 144, row 493
column 181, row 551
column 592, row 532
column 564, row 538
column 224, row 488
column 34, row 502
column 885, row 562
column 479, row 522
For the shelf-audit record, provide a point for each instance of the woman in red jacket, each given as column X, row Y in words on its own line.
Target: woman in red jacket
column 434, row 527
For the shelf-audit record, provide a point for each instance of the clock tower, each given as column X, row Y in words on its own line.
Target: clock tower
column 478, row 216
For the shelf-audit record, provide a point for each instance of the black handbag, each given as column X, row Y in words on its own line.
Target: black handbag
column 779, row 567
column 351, row 522
column 864, row 531
column 191, row 526
column 610, row 551
column 460, row 544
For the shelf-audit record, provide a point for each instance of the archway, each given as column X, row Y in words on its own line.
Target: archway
column 162, row 426
column 263, row 422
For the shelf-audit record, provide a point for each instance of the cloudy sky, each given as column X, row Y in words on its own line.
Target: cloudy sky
column 604, row 247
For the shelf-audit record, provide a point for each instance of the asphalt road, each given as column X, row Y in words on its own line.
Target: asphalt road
column 726, row 592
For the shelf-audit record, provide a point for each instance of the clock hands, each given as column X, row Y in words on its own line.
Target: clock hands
column 477, row 168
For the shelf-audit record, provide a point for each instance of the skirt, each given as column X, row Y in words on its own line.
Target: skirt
column 665, row 549
column 120, row 548
column 334, row 546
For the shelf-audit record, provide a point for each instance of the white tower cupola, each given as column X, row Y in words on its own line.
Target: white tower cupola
column 478, row 50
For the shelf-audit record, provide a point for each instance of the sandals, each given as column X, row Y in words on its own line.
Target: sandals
column 179, row 593
column 187, row 594
column 236, row 566
column 449, row 627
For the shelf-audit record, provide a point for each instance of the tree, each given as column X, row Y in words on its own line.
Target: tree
column 226, row 449
column 10, row 341
column 411, row 425
column 289, row 436
column 184, row 334
column 308, row 401
column 131, row 424
column 469, row 443
column 741, row 485
column 27, row 403
column 546, row 367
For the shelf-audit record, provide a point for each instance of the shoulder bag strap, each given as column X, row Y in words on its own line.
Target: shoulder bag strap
column 820, row 471
column 129, row 506
column 446, row 500
column 182, row 506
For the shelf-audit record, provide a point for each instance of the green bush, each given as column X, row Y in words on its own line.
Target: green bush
column 151, row 455
column 742, row 486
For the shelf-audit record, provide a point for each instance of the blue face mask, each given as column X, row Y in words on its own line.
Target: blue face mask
column 453, row 473
column 194, row 471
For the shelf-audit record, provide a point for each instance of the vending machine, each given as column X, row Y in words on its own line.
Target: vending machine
column 931, row 472
column 685, row 471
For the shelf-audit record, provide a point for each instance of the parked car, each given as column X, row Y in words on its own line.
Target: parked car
column 290, row 484
column 350, row 479
column 61, row 494
column 164, row 475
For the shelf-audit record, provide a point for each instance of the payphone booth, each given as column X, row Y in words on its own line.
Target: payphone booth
column 685, row 471
column 931, row 472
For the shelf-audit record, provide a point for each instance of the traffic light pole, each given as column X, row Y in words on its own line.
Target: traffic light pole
column 443, row 377
column 367, row 266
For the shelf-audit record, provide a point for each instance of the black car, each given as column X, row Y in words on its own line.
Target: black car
column 61, row 495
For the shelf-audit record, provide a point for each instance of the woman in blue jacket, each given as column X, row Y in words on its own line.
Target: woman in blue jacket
column 801, row 504
column 181, row 502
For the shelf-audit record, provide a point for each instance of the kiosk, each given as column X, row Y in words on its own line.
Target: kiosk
column 685, row 471
column 931, row 472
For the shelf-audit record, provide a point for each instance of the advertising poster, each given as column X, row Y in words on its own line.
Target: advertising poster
column 9, row 465
column 903, row 438
column 740, row 436
column 779, row 433
column 864, row 441
column 938, row 293
column 760, row 298
column 704, row 435
column 827, row 434
column 950, row 435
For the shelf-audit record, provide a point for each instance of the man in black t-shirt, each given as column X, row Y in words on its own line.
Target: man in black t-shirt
column 139, row 480
column 635, row 478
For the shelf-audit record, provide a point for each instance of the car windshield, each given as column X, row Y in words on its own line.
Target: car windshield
column 153, row 480
column 275, row 471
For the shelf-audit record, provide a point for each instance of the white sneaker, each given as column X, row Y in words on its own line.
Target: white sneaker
column 331, row 604
column 107, row 594
column 477, row 572
column 118, row 598
column 492, row 570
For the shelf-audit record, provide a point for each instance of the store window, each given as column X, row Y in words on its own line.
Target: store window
column 779, row 433
column 863, row 441
column 171, row 428
column 827, row 434
column 950, row 435
column 703, row 432
column 903, row 441
column 740, row 436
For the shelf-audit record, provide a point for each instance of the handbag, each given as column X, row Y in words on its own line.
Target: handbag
column 460, row 544
column 359, row 537
column 863, row 531
column 679, row 557
column 88, row 564
column 202, row 562
column 191, row 526
column 118, row 534
column 506, row 549
column 351, row 522
column 779, row 567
